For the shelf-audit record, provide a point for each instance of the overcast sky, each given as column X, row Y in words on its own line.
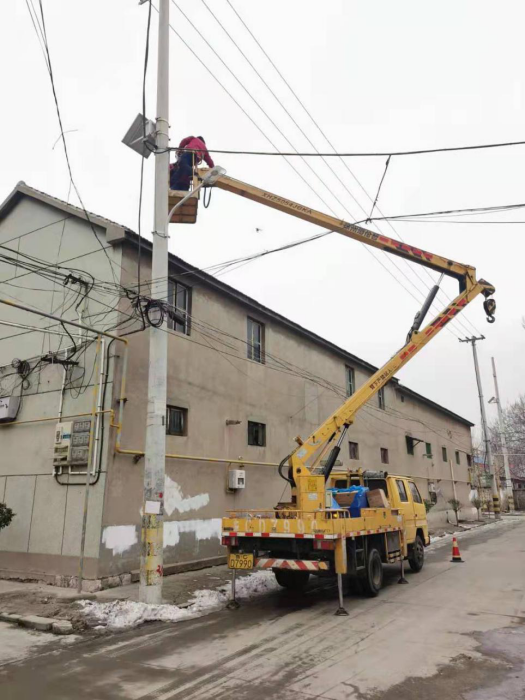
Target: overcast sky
column 376, row 76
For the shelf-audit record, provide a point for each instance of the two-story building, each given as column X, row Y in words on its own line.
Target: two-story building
column 243, row 382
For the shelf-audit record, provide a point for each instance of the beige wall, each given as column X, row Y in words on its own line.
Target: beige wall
column 46, row 530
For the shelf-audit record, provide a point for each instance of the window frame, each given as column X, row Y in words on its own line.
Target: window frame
column 469, row 459
column 458, row 458
column 383, row 451
column 350, row 380
column 381, row 398
column 405, row 499
column 444, row 453
column 251, row 424
column 173, row 290
column 184, row 413
column 428, row 449
column 356, row 444
column 409, row 442
column 250, row 346
column 412, row 487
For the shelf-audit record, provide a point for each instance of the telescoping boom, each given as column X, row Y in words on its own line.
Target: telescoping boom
column 306, row 474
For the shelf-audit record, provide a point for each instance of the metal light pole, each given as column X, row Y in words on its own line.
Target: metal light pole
column 486, row 437
column 508, row 480
column 151, row 561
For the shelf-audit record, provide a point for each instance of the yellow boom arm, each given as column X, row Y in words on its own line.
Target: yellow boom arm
column 307, row 477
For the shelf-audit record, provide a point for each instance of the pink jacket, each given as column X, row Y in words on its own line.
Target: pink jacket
column 201, row 152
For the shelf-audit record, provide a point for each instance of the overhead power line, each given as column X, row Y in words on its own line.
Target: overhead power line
column 361, row 154
column 344, row 163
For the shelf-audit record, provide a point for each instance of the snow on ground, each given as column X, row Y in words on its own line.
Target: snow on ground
column 436, row 541
column 123, row 614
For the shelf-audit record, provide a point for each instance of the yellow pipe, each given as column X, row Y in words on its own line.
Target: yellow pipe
column 192, row 458
column 57, row 418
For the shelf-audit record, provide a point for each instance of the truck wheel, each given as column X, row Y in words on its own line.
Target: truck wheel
column 372, row 580
column 416, row 557
column 292, row 580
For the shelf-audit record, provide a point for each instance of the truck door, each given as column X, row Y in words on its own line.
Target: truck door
column 420, row 511
column 406, row 508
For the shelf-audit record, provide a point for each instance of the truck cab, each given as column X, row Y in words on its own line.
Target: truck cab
column 403, row 495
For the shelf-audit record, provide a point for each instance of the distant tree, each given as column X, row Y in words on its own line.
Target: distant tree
column 6, row 515
column 477, row 503
column 513, row 426
column 456, row 507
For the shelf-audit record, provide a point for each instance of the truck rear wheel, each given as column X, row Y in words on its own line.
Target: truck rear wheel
column 292, row 580
column 372, row 580
column 416, row 557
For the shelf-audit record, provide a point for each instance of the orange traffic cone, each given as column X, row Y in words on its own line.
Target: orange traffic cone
column 456, row 556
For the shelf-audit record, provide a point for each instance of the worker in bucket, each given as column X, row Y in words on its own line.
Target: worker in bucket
column 194, row 152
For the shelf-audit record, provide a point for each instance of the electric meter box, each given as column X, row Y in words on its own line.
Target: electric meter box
column 71, row 446
column 9, row 408
column 236, row 479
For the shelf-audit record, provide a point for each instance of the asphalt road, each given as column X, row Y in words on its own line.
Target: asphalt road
column 455, row 632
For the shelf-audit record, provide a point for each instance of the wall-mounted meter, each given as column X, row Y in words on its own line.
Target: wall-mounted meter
column 236, row 479
column 71, row 446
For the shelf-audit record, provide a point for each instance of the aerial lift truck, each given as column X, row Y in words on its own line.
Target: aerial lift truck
column 307, row 533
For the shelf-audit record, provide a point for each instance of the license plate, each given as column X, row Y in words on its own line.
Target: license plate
column 240, row 561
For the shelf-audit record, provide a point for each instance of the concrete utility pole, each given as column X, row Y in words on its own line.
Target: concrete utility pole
column 486, row 437
column 151, row 561
column 508, row 480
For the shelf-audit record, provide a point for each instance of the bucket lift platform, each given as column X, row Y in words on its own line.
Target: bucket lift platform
column 187, row 214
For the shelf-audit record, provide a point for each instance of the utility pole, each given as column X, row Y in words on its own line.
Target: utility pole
column 486, row 437
column 151, row 561
column 508, row 480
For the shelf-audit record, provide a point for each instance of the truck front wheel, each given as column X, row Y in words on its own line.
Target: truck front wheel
column 416, row 557
column 292, row 580
column 372, row 580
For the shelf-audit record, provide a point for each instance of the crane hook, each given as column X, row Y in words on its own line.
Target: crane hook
column 489, row 305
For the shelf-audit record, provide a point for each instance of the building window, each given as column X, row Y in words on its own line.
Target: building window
column 381, row 398
column 255, row 341
column 469, row 460
column 428, row 449
column 458, row 460
column 256, row 434
column 176, row 420
column 179, row 299
column 350, row 381
column 384, row 455
column 416, row 496
column 402, row 491
column 410, row 444
column 354, row 450
column 444, row 454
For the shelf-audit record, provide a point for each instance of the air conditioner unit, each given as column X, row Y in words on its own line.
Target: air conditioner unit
column 9, row 406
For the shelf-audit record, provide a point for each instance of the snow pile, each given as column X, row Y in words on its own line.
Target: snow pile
column 123, row 614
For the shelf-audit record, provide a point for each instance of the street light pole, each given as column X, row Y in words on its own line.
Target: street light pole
column 508, row 479
column 151, row 561
column 486, row 437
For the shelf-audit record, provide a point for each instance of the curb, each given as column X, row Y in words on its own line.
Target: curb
column 40, row 624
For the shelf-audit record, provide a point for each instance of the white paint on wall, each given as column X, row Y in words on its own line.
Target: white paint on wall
column 206, row 529
column 174, row 499
column 119, row 538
